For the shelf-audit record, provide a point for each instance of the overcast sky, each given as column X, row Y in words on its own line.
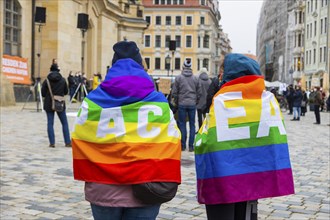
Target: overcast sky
column 239, row 19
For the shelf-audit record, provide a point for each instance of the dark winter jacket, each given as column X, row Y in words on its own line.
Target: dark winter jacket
column 58, row 85
column 204, row 82
column 297, row 98
column 213, row 88
column 72, row 81
column 186, row 89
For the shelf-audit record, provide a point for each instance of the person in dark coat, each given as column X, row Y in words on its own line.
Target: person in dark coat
column 304, row 103
column 317, row 105
column 186, row 93
column 58, row 87
column 296, row 103
column 213, row 88
column 72, row 84
column 289, row 98
column 205, row 82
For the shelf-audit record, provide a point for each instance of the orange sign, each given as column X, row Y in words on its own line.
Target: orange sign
column 16, row 69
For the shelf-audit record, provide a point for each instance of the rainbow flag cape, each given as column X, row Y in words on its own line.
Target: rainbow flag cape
column 241, row 150
column 125, row 132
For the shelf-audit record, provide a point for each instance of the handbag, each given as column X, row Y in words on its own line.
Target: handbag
column 303, row 103
column 58, row 102
column 155, row 192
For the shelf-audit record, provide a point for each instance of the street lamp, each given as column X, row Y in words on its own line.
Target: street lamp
column 168, row 64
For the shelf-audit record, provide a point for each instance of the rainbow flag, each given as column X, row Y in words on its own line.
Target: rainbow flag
column 125, row 132
column 241, row 150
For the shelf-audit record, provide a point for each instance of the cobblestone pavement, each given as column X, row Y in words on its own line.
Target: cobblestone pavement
column 36, row 181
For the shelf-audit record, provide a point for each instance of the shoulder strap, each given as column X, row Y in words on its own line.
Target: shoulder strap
column 50, row 89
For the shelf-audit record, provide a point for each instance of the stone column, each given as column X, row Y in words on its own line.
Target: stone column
column 7, row 96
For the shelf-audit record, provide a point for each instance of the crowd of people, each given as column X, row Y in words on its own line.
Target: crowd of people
column 80, row 86
column 127, row 134
column 299, row 100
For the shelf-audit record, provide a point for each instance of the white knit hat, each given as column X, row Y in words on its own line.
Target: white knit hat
column 187, row 63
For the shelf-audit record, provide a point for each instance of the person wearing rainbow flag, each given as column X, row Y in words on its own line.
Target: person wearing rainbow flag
column 125, row 134
column 241, row 150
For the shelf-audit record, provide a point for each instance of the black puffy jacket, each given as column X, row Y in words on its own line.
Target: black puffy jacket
column 58, row 85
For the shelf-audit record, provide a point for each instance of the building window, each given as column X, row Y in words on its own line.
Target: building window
column 311, row 30
column 168, row 20
column 206, row 63
column 321, row 60
column 321, row 26
column 158, row 41
column 156, row 2
column 325, row 54
column 148, row 19
column 314, row 56
column 189, row 20
column 299, row 40
column 158, row 20
column 147, row 59
column 162, row 2
column 203, row 2
column 167, row 41
column 325, row 25
column 12, row 28
column 315, row 27
column 306, row 57
column 206, row 41
column 310, row 57
column 177, row 63
column 175, row 2
column 307, row 31
column 188, row 41
column 180, row 2
column 202, row 20
column 177, row 20
column 311, row 5
column 168, row 2
column 308, row 7
column 199, row 42
column 147, row 40
column 157, row 63
column 298, row 64
column 178, row 41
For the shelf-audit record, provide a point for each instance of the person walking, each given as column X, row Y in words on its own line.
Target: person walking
column 125, row 135
column 296, row 103
column 214, row 87
column 58, row 87
column 204, row 82
column 317, row 105
column 186, row 93
column 289, row 98
column 304, row 103
column 239, row 156
column 72, row 85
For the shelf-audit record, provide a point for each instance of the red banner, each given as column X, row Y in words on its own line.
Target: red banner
column 16, row 69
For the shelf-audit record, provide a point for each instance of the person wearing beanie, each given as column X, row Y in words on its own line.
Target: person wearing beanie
column 204, row 82
column 241, row 150
column 186, row 94
column 126, row 49
column 126, row 135
column 59, row 87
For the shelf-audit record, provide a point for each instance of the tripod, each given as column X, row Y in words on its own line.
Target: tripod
column 81, row 86
column 36, row 87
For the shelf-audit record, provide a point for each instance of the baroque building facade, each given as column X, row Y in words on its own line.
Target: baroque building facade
column 193, row 25
column 306, row 50
column 271, row 40
column 316, row 71
column 89, row 51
